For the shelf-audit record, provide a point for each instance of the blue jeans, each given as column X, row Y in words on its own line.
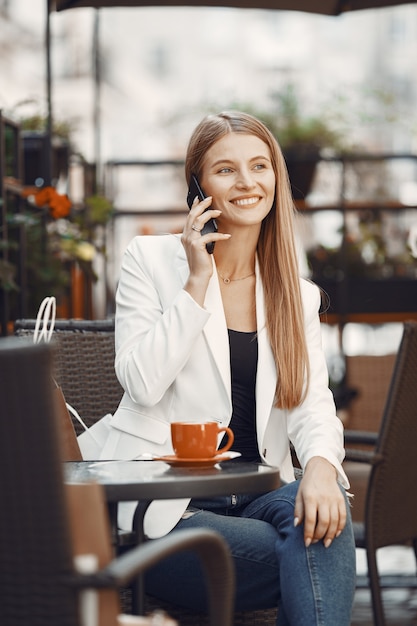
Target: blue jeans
column 311, row 586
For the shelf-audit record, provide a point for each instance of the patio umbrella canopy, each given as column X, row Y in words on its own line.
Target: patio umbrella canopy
column 325, row 7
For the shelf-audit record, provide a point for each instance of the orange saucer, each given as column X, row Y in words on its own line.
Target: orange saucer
column 172, row 459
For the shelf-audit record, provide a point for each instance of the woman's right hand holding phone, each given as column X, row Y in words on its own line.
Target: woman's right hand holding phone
column 199, row 260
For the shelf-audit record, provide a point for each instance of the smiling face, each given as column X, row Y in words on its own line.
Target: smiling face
column 237, row 171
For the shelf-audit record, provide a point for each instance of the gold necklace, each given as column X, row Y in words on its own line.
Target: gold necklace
column 233, row 280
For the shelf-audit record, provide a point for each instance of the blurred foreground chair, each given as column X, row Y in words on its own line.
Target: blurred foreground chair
column 84, row 367
column 43, row 521
column 390, row 506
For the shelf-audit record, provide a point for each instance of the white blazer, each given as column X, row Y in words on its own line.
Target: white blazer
column 172, row 359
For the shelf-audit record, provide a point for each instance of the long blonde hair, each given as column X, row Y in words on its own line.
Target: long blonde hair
column 276, row 255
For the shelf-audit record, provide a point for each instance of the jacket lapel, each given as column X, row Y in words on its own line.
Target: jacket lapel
column 215, row 330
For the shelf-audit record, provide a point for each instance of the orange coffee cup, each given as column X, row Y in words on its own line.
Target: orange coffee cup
column 198, row 440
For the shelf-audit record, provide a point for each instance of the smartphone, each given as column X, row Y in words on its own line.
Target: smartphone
column 210, row 226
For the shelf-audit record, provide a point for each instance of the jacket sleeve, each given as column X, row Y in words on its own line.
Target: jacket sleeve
column 157, row 322
column 314, row 427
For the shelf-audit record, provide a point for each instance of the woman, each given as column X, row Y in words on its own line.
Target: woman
column 234, row 336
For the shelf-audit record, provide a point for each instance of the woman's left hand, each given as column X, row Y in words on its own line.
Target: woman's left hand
column 320, row 503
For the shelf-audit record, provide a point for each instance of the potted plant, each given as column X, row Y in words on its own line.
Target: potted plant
column 34, row 135
column 303, row 138
column 49, row 238
column 364, row 275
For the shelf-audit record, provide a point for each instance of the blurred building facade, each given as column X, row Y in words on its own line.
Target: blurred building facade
column 162, row 69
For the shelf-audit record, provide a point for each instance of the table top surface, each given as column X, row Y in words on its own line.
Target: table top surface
column 153, row 480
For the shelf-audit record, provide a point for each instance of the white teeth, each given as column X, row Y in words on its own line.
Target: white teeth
column 246, row 201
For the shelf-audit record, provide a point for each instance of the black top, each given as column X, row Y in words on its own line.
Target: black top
column 243, row 364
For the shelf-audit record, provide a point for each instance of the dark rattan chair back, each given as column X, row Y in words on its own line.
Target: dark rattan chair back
column 84, row 365
column 391, row 505
column 35, row 556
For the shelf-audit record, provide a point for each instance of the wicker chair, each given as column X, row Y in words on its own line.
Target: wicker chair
column 390, row 507
column 38, row 582
column 84, row 367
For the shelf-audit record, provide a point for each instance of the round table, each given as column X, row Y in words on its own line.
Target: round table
column 145, row 481
column 155, row 480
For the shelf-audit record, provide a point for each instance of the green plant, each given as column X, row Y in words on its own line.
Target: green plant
column 298, row 132
column 79, row 237
column 98, row 211
column 302, row 137
column 364, row 255
column 51, row 231
column 53, row 245
column 38, row 122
